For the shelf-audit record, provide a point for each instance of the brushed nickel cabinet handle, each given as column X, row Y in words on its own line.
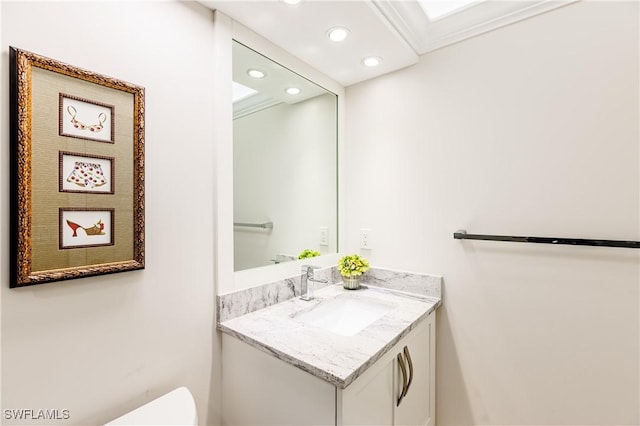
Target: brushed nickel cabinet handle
column 406, row 354
column 404, row 379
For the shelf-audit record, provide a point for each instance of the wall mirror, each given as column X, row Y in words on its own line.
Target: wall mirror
column 285, row 178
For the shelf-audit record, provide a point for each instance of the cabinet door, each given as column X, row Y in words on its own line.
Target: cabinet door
column 369, row 399
column 417, row 407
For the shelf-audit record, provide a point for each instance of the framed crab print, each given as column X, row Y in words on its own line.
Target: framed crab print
column 77, row 172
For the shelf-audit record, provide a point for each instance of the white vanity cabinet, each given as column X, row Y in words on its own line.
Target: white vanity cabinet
column 259, row 389
column 387, row 395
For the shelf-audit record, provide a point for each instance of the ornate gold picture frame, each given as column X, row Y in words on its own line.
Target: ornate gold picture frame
column 77, row 172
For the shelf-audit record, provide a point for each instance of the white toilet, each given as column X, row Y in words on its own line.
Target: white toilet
column 175, row 408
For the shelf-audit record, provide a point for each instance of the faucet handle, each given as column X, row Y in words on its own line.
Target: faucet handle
column 308, row 269
column 310, row 275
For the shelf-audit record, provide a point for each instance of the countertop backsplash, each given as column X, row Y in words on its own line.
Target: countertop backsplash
column 410, row 282
column 242, row 302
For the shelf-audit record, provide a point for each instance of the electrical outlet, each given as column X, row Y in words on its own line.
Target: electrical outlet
column 324, row 235
column 365, row 239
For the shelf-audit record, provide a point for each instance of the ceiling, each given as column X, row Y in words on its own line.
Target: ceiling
column 396, row 31
column 269, row 90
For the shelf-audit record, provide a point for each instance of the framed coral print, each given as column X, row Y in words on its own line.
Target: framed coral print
column 77, row 172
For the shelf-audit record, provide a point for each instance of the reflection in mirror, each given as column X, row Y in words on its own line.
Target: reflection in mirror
column 284, row 163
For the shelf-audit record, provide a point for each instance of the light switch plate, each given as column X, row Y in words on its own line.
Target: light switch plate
column 324, row 235
column 365, row 239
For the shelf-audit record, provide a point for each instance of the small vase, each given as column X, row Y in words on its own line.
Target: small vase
column 351, row 283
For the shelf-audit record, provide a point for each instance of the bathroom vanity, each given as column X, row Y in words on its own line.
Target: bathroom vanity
column 287, row 361
column 343, row 358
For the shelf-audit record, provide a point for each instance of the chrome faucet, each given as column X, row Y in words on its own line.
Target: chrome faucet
column 307, row 277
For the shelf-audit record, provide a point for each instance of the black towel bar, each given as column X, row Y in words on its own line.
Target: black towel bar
column 462, row 235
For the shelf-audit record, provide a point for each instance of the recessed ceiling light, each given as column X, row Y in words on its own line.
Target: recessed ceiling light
column 291, row 2
column 338, row 34
column 293, row 90
column 371, row 61
column 254, row 73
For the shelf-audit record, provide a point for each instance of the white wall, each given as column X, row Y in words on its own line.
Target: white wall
column 532, row 129
column 101, row 346
column 285, row 171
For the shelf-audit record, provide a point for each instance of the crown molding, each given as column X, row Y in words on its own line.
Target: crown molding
column 253, row 104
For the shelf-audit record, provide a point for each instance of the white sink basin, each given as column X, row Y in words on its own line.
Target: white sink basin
column 345, row 315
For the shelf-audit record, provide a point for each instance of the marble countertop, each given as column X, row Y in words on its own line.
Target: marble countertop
column 332, row 357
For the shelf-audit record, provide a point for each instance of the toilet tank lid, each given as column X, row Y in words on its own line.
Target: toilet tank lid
column 174, row 408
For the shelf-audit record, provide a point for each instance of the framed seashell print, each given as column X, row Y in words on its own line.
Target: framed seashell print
column 77, row 172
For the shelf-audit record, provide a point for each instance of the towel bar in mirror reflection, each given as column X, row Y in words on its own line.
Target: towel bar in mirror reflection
column 265, row 225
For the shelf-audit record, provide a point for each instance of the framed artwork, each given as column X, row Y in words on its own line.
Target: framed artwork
column 80, row 227
column 85, row 119
column 84, row 173
column 77, row 172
